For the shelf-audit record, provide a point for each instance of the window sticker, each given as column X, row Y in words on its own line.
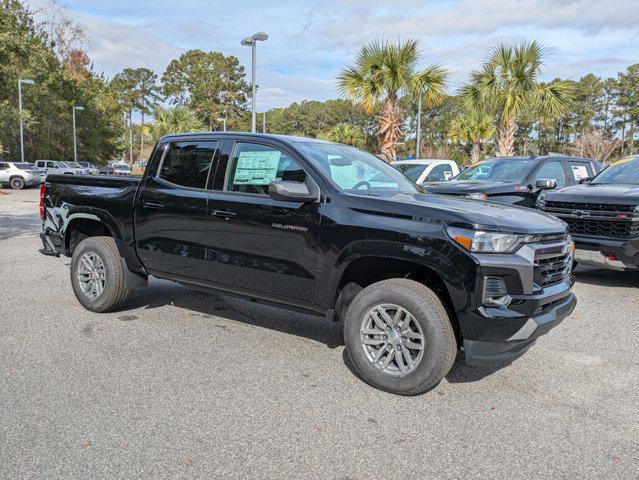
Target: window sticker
column 579, row 172
column 448, row 175
column 257, row 168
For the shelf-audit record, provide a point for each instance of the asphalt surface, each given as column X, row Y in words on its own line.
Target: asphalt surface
column 182, row 384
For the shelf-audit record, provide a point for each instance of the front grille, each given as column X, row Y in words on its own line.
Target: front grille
column 602, row 228
column 601, row 220
column 552, row 270
column 595, row 207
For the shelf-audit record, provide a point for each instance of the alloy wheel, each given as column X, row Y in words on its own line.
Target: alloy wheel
column 91, row 275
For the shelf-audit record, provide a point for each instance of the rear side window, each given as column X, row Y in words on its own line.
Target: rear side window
column 580, row 170
column 254, row 166
column 411, row 171
column 4, row 166
column 188, row 163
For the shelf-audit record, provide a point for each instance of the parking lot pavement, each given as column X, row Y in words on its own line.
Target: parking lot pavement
column 185, row 385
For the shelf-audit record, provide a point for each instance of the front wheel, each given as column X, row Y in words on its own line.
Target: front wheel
column 399, row 337
column 17, row 183
column 97, row 276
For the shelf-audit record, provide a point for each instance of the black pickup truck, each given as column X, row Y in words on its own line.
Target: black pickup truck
column 324, row 229
column 602, row 215
column 516, row 180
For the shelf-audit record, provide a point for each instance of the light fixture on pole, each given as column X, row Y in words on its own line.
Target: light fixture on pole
column 75, row 147
column 252, row 42
column 26, row 81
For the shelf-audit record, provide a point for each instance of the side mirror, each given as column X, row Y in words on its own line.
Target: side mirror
column 287, row 191
column 546, row 184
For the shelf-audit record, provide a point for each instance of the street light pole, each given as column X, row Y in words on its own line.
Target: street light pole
column 252, row 42
column 419, row 125
column 20, row 82
column 263, row 122
column 75, row 147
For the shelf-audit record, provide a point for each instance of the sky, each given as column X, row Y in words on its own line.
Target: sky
column 310, row 41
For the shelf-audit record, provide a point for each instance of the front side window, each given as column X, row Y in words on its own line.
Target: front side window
column 411, row 171
column 51, row 165
column 552, row 171
column 355, row 171
column 4, row 166
column 253, row 166
column 440, row 173
column 186, row 163
column 499, row 170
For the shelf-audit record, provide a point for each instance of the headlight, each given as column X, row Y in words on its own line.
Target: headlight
column 477, row 196
column 478, row 241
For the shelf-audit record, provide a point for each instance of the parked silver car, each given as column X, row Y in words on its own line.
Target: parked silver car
column 46, row 167
column 18, row 175
column 89, row 168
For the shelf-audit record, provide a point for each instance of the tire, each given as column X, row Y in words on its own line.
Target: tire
column 17, row 183
column 439, row 346
column 114, row 291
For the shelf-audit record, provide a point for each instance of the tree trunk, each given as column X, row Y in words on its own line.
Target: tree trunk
column 142, row 139
column 475, row 153
column 506, row 129
column 389, row 130
column 130, row 138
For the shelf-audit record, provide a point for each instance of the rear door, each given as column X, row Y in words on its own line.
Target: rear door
column 257, row 243
column 171, row 209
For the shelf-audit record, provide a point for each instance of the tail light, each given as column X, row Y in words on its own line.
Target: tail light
column 43, row 193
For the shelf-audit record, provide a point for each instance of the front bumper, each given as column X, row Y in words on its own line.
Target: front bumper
column 537, row 301
column 615, row 254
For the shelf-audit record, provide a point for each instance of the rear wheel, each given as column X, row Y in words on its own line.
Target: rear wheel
column 97, row 276
column 399, row 337
column 17, row 183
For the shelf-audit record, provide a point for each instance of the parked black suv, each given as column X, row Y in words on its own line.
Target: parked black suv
column 516, row 180
column 325, row 229
column 603, row 216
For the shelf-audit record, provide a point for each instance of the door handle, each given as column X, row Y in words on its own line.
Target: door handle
column 152, row 205
column 226, row 215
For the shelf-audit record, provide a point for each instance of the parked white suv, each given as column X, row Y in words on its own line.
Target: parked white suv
column 427, row 170
column 18, row 175
column 46, row 167
column 121, row 168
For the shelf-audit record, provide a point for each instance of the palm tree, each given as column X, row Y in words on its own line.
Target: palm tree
column 385, row 72
column 508, row 85
column 344, row 133
column 178, row 119
column 472, row 129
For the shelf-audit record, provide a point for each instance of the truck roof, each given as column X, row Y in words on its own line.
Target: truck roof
column 283, row 138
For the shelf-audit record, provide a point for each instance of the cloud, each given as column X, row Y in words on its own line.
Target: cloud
column 310, row 41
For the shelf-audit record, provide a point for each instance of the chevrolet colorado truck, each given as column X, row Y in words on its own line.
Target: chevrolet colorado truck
column 602, row 215
column 324, row 229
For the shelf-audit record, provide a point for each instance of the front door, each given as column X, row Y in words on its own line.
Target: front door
column 171, row 209
column 257, row 243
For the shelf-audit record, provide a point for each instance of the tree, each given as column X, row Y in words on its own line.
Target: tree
column 178, row 119
column 136, row 90
column 208, row 82
column 344, row 133
column 383, row 74
column 508, row 85
column 594, row 144
column 628, row 104
column 472, row 129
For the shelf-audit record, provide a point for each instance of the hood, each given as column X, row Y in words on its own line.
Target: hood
column 462, row 187
column 593, row 193
column 464, row 212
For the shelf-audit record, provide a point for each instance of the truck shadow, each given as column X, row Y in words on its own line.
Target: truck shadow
column 161, row 293
column 15, row 225
column 608, row 278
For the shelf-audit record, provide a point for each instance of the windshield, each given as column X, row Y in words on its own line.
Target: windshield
column 499, row 170
column 120, row 166
column 623, row 172
column 411, row 171
column 24, row 166
column 355, row 171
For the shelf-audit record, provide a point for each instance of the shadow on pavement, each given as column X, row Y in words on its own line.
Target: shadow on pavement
column 14, row 225
column 607, row 278
column 204, row 305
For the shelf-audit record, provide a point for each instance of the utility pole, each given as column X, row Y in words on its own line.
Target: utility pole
column 75, row 142
column 263, row 122
column 419, row 125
